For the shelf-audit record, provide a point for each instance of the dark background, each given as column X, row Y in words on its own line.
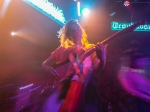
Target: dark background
column 21, row 56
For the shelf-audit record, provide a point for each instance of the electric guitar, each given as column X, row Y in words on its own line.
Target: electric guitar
column 92, row 50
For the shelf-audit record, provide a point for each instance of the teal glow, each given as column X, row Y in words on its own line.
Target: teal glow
column 85, row 11
column 120, row 26
column 49, row 9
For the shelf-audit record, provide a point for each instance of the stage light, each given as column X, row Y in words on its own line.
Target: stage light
column 27, row 86
column 126, row 3
column 76, row 0
column 85, row 11
column 13, row 33
column 112, row 14
column 78, row 8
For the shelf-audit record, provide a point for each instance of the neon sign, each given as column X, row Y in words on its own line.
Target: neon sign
column 120, row 26
column 48, row 9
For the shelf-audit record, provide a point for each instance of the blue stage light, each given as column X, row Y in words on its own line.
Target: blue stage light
column 85, row 11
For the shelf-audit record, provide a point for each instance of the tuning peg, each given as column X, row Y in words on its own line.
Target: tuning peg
column 142, row 22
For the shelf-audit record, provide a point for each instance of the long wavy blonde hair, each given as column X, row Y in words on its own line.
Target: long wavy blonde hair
column 64, row 37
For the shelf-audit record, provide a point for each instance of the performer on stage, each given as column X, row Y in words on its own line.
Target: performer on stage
column 73, row 40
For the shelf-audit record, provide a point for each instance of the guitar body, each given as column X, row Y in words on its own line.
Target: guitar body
column 72, row 97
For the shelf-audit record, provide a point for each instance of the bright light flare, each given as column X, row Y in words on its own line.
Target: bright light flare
column 85, row 11
column 13, row 33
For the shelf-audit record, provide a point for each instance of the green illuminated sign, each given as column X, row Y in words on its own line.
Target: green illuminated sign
column 120, row 26
column 49, row 9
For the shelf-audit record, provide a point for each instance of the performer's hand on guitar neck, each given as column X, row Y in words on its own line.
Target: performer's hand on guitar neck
column 101, row 52
column 101, row 55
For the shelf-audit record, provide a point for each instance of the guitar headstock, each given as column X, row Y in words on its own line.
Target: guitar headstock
column 134, row 26
column 126, row 30
column 142, row 22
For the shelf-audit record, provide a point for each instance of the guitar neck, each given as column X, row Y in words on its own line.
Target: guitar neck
column 126, row 30
column 109, row 39
column 112, row 37
column 104, row 42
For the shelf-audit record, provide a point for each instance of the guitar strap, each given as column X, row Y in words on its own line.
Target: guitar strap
column 75, row 64
column 71, row 100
